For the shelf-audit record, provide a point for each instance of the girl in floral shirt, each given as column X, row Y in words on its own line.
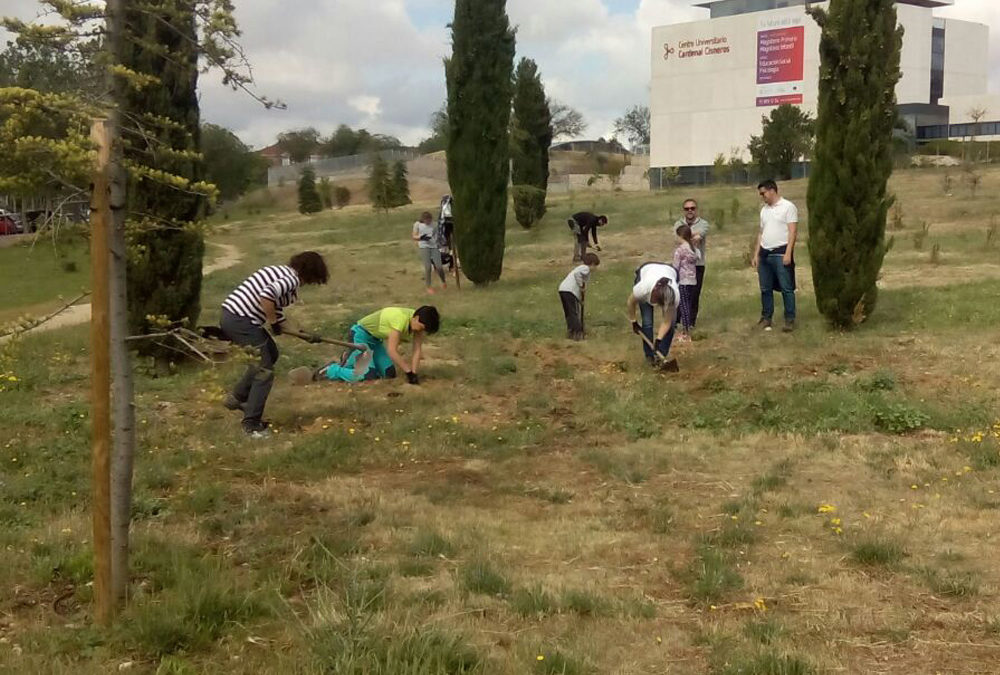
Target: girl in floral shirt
column 686, row 261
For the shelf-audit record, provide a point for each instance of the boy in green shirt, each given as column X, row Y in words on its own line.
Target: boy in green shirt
column 382, row 332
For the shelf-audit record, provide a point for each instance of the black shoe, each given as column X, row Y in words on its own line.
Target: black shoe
column 789, row 326
column 232, row 403
column 256, row 428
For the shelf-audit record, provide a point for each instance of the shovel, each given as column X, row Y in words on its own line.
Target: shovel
column 661, row 363
column 305, row 375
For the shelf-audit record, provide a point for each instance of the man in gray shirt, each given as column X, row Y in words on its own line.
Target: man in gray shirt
column 699, row 229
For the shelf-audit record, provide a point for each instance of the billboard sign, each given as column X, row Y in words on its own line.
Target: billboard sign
column 780, row 64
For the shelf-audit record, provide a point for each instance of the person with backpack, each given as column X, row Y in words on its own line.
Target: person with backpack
column 261, row 300
column 446, row 232
column 584, row 225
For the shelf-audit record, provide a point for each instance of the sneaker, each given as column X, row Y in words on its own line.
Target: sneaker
column 430, row 291
column 230, row 402
column 789, row 326
column 256, row 428
column 764, row 324
column 684, row 337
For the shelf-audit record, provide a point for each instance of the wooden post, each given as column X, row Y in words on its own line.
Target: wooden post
column 100, row 373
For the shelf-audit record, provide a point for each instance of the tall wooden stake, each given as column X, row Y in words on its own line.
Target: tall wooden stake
column 122, row 399
column 100, row 373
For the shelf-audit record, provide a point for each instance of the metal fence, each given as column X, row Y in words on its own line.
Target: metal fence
column 329, row 166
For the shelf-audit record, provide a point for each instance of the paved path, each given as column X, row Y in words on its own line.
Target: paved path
column 78, row 314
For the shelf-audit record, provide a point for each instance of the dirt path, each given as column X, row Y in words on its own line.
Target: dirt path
column 229, row 256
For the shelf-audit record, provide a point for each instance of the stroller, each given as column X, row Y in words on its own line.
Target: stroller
column 445, row 233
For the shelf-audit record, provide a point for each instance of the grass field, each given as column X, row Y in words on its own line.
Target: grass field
column 808, row 503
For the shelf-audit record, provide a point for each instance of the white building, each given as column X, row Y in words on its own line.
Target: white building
column 713, row 80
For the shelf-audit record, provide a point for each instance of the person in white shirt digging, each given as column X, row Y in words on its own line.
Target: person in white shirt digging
column 655, row 286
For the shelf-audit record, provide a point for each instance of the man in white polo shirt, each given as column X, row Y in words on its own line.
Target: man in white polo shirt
column 774, row 255
column 655, row 286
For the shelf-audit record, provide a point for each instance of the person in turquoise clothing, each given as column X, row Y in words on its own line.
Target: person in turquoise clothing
column 383, row 332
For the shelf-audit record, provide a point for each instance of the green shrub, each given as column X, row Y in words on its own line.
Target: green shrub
column 899, row 418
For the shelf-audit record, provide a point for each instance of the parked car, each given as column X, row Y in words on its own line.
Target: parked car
column 8, row 225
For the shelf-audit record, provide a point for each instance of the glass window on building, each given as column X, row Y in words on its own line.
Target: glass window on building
column 937, row 64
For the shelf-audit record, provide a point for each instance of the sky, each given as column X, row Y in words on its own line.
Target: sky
column 378, row 63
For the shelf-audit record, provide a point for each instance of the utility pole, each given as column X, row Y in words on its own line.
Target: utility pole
column 100, row 373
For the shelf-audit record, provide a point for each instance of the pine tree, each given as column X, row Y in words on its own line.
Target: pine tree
column 378, row 185
column 848, row 200
column 309, row 199
column 165, row 242
column 479, row 76
column 399, row 186
column 532, row 136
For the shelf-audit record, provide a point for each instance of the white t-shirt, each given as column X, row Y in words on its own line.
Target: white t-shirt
column 648, row 276
column 428, row 230
column 575, row 280
column 774, row 223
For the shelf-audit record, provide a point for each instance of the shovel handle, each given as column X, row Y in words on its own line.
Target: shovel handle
column 329, row 341
column 645, row 339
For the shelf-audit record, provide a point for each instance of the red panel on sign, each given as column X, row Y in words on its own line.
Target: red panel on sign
column 780, row 55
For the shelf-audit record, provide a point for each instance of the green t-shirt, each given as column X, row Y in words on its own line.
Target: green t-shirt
column 384, row 321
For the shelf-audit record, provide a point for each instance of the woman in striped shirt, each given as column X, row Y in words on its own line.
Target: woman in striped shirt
column 260, row 300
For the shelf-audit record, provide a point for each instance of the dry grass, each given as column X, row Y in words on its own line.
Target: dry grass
column 536, row 498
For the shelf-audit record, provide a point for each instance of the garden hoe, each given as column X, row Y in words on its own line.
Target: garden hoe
column 305, row 374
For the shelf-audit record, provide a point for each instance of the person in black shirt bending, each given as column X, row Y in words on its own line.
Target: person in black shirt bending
column 584, row 225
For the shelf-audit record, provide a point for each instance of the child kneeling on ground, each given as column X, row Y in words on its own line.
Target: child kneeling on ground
column 382, row 332
column 572, row 291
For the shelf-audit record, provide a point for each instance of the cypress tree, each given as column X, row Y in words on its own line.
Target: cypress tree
column 378, row 184
column 479, row 76
column 309, row 199
column 532, row 136
column 848, row 200
column 399, row 186
column 165, row 241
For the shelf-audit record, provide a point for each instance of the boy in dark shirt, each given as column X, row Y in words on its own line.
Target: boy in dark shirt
column 584, row 225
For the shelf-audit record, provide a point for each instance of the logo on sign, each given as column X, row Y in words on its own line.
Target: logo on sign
column 667, row 51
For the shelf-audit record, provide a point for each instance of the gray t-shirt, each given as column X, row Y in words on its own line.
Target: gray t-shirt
column 576, row 280
column 427, row 233
column 699, row 227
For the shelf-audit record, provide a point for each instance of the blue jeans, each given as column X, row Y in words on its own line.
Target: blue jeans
column 646, row 311
column 381, row 366
column 773, row 275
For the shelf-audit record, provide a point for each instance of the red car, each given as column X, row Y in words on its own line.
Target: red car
column 8, row 225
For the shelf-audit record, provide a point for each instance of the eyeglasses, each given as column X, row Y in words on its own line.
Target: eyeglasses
column 690, row 208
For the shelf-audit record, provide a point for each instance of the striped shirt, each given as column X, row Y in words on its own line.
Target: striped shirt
column 277, row 283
